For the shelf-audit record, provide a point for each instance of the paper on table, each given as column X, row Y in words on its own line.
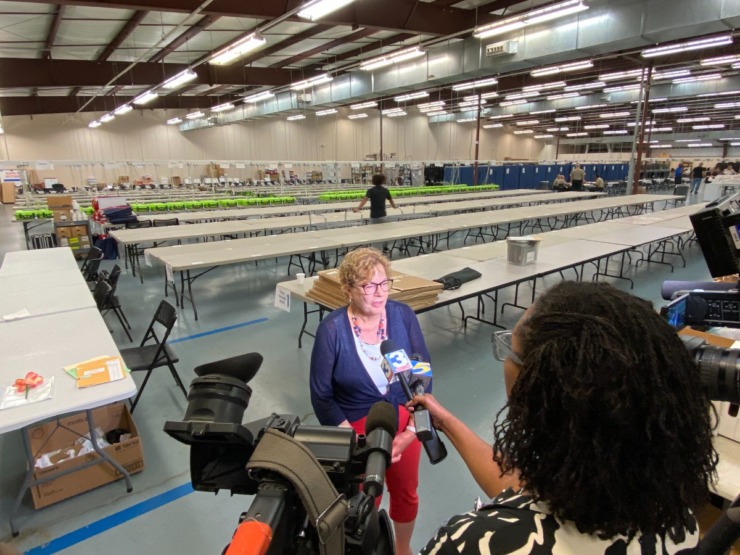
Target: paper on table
column 23, row 313
column 97, row 371
column 11, row 397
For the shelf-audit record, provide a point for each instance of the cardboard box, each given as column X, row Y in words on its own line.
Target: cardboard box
column 63, row 215
column 78, row 231
column 123, row 179
column 59, row 201
column 60, row 435
column 63, row 232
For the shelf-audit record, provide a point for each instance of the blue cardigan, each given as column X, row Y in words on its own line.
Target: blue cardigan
column 341, row 388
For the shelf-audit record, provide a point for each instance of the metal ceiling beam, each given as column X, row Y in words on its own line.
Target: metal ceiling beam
column 16, row 106
column 362, row 33
column 122, row 35
column 361, row 50
column 53, row 30
column 399, row 15
column 307, row 34
column 194, row 30
column 21, row 72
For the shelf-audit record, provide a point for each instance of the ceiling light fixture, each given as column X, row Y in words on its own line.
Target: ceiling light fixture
column 709, row 126
column 623, row 88
column 125, row 109
column 475, row 84
column 545, row 136
column 264, row 95
column 492, row 94
column 661, row 146
column 721, row 60
column 537, row 112
column 174, row 121
column 513, row 102
column 586, row 86
column 659, row 75
column 143, row 98
column 697, row 78
column 699, row 145
column 597, row 126
column 568, row 118
column 670, row 110
column 94, row 124
column 394, row 58
column 466, row 120
column 326, row 112
column 502, row 116
column 516, row 96
column 614, row 115
column 195, row 115
column 575, row 66
column 411, row 96
column 390, row 111
column 581, row 134
column 179, row 79
column 296, row 117
column 547, row 13
column 318, row 80
column 723, row 105
column 544, row 86
column 357, row 116
column 523, row 132
column 528, row 122
column 223, row 107
column 238, row 49
column 620, row 75
column 661, row 130
column 471, row 103
column 563, row 95
column 710, row 42
column 397, row 114
column 493, row 126
column 316, row 9
column 437, row 113
column 591, row 106
column 430, row 105
column 554, row 129
column 363, row 105
column 616, row 132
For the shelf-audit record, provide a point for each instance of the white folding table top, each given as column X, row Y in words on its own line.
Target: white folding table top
column 57, row 260
column 41, row 294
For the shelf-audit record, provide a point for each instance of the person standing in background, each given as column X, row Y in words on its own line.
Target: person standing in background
column 678, row 176
column 377, row 195
column 696, row 176
column 576, row 178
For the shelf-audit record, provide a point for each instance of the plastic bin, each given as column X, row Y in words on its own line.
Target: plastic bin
column 522, row 250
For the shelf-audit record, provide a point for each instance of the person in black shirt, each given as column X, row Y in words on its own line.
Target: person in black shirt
column 696, row 176
column 377, row 195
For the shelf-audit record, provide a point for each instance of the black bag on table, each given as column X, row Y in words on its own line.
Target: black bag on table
column 456, row 279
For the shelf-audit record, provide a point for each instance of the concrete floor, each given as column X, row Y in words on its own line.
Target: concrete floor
column 237, row 315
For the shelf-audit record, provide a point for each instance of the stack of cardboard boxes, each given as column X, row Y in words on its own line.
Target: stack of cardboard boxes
column 70, row 233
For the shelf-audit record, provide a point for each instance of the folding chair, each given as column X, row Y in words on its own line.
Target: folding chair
column 91, row 265
column 153, row 351
column 112, row 302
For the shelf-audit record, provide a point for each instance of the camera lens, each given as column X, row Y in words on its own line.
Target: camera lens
column 720, row 372
column 218, row 398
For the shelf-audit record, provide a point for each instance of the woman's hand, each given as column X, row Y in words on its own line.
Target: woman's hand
column 440, row 415
column 400, row 443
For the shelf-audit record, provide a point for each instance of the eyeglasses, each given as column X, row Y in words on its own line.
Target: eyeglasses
column 371, row 288
column 502, row 347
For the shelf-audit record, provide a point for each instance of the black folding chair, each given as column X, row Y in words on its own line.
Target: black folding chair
column 154, row 351
column 91, row 265
column 112, row 302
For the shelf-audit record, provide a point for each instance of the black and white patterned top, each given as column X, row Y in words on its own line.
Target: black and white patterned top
column 512, row 523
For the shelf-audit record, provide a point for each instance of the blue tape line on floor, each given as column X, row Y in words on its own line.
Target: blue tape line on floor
column 218, row 330
column 116, row 519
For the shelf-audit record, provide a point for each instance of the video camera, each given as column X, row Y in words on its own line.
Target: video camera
column 288, row 513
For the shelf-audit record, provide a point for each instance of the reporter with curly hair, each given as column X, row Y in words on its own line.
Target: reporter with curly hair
column 604, row 445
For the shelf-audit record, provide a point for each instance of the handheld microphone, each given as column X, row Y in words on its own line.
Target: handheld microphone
column 380, row 428
column 396, row 362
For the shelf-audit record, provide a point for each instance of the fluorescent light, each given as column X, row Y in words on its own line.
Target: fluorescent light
column 711, row 42
column 94, row 124
column 545, row 86
column 616, row 132
column 394, row 58
column 357, row 116
column 581, row 134
column 709, row 126
column 516, row 96
column 107, row 117
column 661, row 99
column 617, row 75
column 545, row 136
column 568, row 118
column 363, row 105
column 223, row 107
column 597, row 126
column 125, row 109
column 661, row 130
column 466, row 120
column 502, row 116
column 389, row 111
column 296, row 117
column 699, row 145
column 659, row 75
column 586, row 86
column 528, row 122
column 523, row 132
column 306, row 83
column 537, row 112
column 614, row 115
column 661, row 146
column 734, row 144
column 264, row 95
column 590, row 106
column 492, row 94
column 512, row 102
column 730, row 139
column 195, row 115
column 436, row 113
column 647, row 123
column 471, row 103
column 563, row 95
column 670, row 110
column 493, row 126
column 623, row 88
column 725, row 93
column 547, row 13
column 238, row 49
column 430, row 105
column 174, row 121
column 721, row 60
column 475, row 84
column 411, row 96
column 143, row 98
column 396, row 114
column 575, row 66
column 554, row 129
column 326, row 112
column 179, row 79
column 316, row 9
column 696, row 78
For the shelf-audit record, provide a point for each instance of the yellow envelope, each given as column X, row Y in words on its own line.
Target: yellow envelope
column 97, row 371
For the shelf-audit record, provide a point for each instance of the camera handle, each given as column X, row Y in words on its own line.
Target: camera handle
column 326, row 509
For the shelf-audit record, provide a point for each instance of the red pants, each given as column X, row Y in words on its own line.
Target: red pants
column 401, row 478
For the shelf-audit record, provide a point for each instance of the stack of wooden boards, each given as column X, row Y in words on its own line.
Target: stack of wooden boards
column 414, row 291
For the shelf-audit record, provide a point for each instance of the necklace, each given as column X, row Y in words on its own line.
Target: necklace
column 358, row 333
